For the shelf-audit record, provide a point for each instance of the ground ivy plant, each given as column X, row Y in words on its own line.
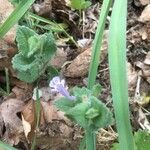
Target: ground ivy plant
column 79, row 4
column 34, row 53
column 82, row 106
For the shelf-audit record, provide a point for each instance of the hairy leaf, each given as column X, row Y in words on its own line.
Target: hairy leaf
column 35, row 51
column 79, row 4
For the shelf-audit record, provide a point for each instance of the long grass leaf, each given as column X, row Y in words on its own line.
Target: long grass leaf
column 15, row 16
column 117, row 63
column 97, row 43
column 6, row 146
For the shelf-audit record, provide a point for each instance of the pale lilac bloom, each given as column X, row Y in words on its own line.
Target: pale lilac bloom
column 58, row 85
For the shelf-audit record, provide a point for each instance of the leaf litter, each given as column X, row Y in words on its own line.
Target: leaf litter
column 17, row 111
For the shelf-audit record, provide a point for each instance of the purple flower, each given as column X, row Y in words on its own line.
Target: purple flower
column 58, row 85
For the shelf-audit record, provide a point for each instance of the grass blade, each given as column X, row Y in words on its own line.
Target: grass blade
column 15, row 16
column 97, row 43
column 117, row 63
column 6, row 146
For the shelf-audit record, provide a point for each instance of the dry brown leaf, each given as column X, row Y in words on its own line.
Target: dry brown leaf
column 13, row 124
column 132, row 76
column 143, row 121
column 29, row 119
column 23, row 93
column 46, row 94
column 145, row 16
column 80, row 65
column 59, row 59
column 9, row 110
column 147, row 59
column 26, row 127
column 1, row 125
column 65, row 130
column 145, row 2
column 44, row 8
column 50, row 111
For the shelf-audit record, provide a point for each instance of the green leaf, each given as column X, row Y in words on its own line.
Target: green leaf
column 34, row 45
column 15, row 16
column 5, row 146
column 77, row 114
column 142, row 140
column 64, row 104
column 79, row 4
column 35, row 51
column 105, row 116
column 82, row 92
column 27, row 70
column 49, row 46
column 51, row 72
column 23, row 38
column 96, row 90
column 15, row 2
column 92, row 113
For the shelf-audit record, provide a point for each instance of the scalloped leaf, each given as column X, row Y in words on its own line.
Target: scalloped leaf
column 22, row 37
column 104, row 118
column 27, row 70
column 35, row 51
column 64, row 104
column 78, row 113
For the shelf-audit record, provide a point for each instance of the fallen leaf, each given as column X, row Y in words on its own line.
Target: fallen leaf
column 145, row 2
column 12, row 122
column 23, row 92
column 145, row 16
column 29, row 119
column 143, row 121
column 50, row 111
column 44, row 8
column 59, row 59
column 147, row 59
column 132, row 76
column 1, row 125
column 80, row 65
column 9, row 110
column 65, row 130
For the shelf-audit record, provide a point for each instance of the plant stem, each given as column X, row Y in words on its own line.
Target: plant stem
column 97, row 43
column 117, row 63
column 53, row 24
column 82, row 143
column 90, row 139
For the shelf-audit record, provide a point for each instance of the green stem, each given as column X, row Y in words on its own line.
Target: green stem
column 53, row 24
column 82, row 143
column 117, row 63
column 97, row 43
column 15, row 16
column 90, row 139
